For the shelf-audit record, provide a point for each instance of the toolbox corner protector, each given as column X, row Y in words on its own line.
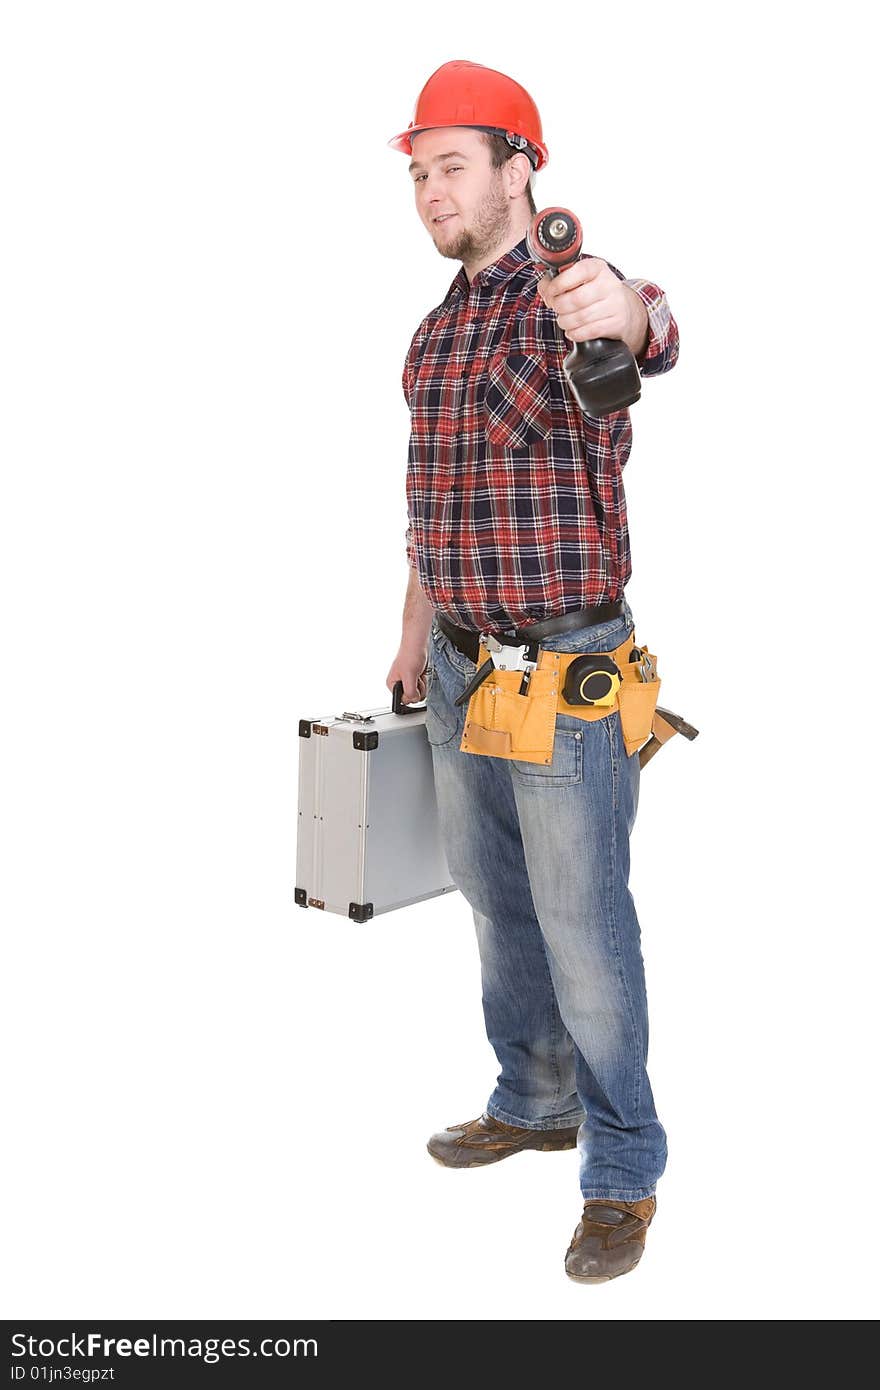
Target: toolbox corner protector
column 365, row 742
column 300, row 897
column 360, row 912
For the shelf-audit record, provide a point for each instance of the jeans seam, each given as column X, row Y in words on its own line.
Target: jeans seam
column 433, row 691
column 618, row 1194
column 498, row 1114
column 552, row 1017
column 615, row 771
column 438, row 743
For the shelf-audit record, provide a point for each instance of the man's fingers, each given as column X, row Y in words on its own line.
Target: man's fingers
column 412, row 697
column 552, row 287
column 580, row 273
column 604, row 328
column 582, row 297
column 578, row 317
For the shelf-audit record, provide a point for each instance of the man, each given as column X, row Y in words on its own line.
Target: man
column 518, row 521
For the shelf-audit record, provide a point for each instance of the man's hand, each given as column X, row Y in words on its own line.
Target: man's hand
column 410, row 666
column 411, row 661
column 589, row 301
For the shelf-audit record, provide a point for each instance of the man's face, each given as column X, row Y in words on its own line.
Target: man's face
column 460, row 198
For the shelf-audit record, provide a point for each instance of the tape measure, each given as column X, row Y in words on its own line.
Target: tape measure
column 592, row 679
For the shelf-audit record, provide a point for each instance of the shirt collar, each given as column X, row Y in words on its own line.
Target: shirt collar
column 493, row 276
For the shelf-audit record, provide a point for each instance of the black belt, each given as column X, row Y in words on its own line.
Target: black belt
column 468, row 641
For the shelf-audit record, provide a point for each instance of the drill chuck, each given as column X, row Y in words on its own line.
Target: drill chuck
column 555, row 238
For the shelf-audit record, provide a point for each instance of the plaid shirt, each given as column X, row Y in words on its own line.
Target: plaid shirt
column 514, row 497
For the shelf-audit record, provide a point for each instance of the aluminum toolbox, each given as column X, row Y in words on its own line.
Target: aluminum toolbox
column 368, row 837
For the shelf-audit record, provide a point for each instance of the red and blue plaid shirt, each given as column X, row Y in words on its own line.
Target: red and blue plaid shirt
column 515, row 498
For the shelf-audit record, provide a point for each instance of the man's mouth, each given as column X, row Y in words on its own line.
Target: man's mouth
column 445, row 218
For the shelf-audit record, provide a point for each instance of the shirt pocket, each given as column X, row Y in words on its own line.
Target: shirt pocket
column 517, row 405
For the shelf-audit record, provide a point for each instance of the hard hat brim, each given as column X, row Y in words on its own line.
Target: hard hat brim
column 403, row 141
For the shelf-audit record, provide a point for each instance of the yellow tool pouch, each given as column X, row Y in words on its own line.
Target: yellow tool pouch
column 637, row 701
column 501, row 723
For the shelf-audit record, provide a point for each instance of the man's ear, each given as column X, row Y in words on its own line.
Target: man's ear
column 519, row 168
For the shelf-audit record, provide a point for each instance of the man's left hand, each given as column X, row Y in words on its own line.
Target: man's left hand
column 589, row 301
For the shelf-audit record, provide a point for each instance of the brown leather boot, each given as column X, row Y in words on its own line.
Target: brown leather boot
column 487, row 1140
column 609, row 1239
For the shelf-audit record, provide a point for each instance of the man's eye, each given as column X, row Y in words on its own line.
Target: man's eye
column 452, row 169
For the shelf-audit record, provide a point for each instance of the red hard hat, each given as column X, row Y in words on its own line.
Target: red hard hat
column 462, row 93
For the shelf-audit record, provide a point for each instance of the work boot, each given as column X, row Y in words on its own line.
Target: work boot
column 487, row 1140
column 609, row 1239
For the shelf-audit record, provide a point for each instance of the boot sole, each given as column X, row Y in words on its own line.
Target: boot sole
column 602, row 1278
column 531, row 1148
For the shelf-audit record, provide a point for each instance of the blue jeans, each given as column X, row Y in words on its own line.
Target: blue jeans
column 541, row 853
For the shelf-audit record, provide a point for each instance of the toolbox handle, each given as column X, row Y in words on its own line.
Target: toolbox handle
column 397, row 705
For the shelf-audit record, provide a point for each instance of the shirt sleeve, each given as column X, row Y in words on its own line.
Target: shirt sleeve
column 409, row 366
column 408, row 381
column 661, row 354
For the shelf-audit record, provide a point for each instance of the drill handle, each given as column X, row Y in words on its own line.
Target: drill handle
column 595, row 349
column 603, row 376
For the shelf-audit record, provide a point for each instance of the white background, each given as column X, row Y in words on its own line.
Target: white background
column 212, row 268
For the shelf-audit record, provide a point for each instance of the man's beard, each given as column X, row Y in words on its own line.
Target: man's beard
column 491, row 223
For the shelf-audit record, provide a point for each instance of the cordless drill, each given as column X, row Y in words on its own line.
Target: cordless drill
column 601, row 372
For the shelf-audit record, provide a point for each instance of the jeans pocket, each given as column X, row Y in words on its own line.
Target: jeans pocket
column 461, row 664
column 564, row 770
column 440, row 720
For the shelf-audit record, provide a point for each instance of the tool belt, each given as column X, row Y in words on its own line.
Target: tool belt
column 512, row 713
